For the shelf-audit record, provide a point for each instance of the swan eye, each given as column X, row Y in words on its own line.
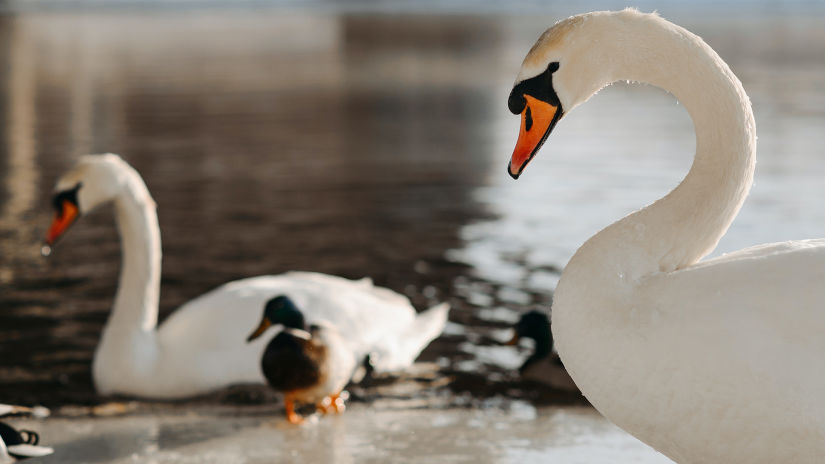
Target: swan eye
column 528, row 119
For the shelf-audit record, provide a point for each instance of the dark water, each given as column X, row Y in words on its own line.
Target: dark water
column 271, row 141
column 354, row 144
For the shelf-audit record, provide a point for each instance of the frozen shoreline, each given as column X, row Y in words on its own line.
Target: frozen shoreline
column 508, row 431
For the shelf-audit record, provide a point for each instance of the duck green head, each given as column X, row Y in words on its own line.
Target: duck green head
column 535, row 325
column 279, row 310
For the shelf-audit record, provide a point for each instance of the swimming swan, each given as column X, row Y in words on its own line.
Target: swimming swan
column 202, row 346
column 715, row 361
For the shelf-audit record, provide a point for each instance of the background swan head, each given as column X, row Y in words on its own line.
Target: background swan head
column 568, row 64
column 279, row 310
column 94, row 180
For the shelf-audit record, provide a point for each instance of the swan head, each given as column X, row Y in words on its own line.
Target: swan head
column 569, row 63
column 279, row 310
column 91, row 182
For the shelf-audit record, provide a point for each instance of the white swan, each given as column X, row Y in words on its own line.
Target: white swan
column 719, row 361
column 202, row 346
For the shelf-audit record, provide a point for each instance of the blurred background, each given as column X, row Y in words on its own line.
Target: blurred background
column 359, row 138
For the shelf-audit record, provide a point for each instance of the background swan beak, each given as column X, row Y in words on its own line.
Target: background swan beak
column 265, row 323
column 537, row 120
column 62, row 220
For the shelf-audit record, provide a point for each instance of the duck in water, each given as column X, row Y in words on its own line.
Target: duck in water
column 543, row 366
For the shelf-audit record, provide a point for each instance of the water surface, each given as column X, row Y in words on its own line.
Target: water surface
column 359, row 144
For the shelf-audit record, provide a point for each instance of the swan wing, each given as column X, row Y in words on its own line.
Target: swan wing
column 204, row 341
column 400, row 351
column 741, row 334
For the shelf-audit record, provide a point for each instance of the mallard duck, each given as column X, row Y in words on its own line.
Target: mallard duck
column 543, row 365
column 308, row 364
column 196, row 349
column 714, row 361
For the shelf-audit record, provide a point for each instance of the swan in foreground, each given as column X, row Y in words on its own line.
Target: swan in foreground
column 201, row 346
column 715, row 361
column 543, row 366
column 308, row 364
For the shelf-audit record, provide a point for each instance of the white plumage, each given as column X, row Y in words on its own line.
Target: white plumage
column 202, row 345
column 717, row 361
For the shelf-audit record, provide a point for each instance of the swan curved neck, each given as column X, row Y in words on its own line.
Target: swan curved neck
column 685, row 225
column 136, row 302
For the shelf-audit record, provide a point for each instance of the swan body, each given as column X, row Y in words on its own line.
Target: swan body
column 715, row 361
column 201, row 347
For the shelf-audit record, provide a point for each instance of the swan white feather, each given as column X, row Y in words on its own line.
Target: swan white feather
column 708, row 362
column 202, row 345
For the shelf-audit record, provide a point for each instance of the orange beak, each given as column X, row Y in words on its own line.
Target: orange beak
column 61, row 222
column 265, row 324
column 537, row 120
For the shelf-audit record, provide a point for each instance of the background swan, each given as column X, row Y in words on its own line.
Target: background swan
column 715, row 361
column 202, row 345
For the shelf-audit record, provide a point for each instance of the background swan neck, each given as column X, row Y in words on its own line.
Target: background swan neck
column 686, row 224
column 136, row 303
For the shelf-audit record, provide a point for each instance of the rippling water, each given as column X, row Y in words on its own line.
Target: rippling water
column 356, row 144
column 270, row 143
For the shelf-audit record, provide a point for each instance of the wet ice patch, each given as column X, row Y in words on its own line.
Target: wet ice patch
column 543, row 281
column 503, row 356
column 498, row 314
column 451, row 328
column 513, row 295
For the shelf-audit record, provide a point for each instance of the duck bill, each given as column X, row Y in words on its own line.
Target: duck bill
column 537, row 121
column 265, row 324
column 61, row 222
column 514, row 340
